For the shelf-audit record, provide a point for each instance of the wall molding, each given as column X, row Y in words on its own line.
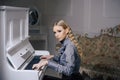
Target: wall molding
column 111, row 8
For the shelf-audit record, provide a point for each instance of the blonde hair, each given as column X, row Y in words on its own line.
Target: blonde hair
column 70, row 35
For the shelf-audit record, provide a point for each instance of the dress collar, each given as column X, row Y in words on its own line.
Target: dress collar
column 65, row 41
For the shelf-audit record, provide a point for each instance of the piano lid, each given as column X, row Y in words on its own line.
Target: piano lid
column 20, row 53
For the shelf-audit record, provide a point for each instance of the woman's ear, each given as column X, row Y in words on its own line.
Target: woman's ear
column 67, row 31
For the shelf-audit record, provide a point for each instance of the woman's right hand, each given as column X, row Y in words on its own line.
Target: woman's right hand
column 39, row 65
column 47, row 57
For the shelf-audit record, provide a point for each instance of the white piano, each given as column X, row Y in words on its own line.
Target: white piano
column 17, row 54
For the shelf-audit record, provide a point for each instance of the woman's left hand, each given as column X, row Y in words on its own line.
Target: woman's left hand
column 39, row 65
column 47, row 57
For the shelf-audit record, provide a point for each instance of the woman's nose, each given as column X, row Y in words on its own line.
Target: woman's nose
column 56, row 35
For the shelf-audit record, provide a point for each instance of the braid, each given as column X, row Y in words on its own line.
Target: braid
column 72, row 38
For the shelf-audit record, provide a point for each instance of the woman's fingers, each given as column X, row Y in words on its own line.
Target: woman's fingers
column 43, row 57
column 36, row 67
column 39, row 65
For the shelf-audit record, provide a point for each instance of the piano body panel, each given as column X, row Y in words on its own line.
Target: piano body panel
column 41, row 52
column 12, row 74
column 23, row 61
column 22, row 75
column 18, row 51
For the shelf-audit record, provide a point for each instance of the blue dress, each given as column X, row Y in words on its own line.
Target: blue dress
column 67, row 62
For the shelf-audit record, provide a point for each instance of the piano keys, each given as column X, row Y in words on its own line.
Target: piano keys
column 35, row 60
column 18, row 55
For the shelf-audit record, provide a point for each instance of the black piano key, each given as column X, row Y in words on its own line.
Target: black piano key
column 35, row 60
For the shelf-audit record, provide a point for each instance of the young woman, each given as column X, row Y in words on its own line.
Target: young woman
column 68, row 61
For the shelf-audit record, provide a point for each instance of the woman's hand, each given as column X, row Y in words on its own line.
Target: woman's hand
column 47, row 57
column 39, row 65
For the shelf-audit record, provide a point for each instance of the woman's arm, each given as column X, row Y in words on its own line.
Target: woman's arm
column 68, row 67
column 47, row 57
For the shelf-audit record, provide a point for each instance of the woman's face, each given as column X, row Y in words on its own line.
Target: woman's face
column 60, row 33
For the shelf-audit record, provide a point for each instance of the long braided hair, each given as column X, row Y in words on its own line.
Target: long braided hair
column 70, row 35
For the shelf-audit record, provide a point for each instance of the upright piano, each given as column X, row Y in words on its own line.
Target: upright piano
column 17, row 55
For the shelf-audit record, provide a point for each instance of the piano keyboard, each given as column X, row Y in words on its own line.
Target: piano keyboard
column 35, row 60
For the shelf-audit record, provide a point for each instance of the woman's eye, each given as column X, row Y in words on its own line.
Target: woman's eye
column 59, row 30
column 54, row 32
